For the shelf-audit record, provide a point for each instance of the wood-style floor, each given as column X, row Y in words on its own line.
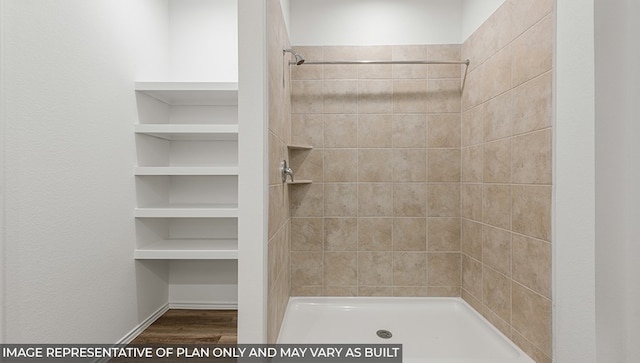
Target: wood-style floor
column 192, row 327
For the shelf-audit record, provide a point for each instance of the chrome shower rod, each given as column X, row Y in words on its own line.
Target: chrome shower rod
column 464, row 62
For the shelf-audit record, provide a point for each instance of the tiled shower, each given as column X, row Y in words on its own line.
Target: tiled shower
column 419, row 189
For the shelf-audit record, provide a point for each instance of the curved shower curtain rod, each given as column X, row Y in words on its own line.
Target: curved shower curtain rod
column 301, row 61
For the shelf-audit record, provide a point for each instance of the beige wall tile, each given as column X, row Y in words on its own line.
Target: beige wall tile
column 532, row 264
column 471, row 239
column 306, row 97
column 443, row 234
column 307, row 164
column 443, row 291
column 306, row 290
column 497, row 74
column 307, row 129
column 410, row 96
column 375, row 290
column 533, row 51
column 409, row 234
column 337, row 53
column 532, row 104
column 443, row 130
column 532, row 211
column 340, row 234
column 531, row 161
column 375, row 234
column 375, row 96
column 443, row 95
column 471, row 201
column 375, row 268
column 277, row 208
column 409, row 165
column 496, row 289
column 471, row 159
column 372, row 71
column 409, row 131
column 444, row 200
column 536, row 354
column 375, row 165
column 531, row 317
column 340, row 269
column 526, row 13
column 472, row 127
column 340, row 199
column 410, row 200
column 443, row 269
column 472, row 92
column 340, row 96
column 496, row 206
column 340, row 165
column 340, row 131
column 472, row 276
column 411, row 291
column 375, row 200
column 405, row 53
column 497, row 161
column 444, row 165
column 410, row 269
column 308, row 71
column 496, row 115
column 496, row 249
column 307, row 234
column 340, row 291
column 276, row 155
column 443, row 52
column 306, row 268
column 374, row 131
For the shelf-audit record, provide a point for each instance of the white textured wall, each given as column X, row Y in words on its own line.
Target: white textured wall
column 574, row 184
column 203, row 40
column 617, row 181
column 475, row 12
column 68, row 68
column 375, row 22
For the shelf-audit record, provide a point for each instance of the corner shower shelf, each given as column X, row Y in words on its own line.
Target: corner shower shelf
column 191, row 93
column 189, row 249
column 298, row 182
column 186, row 170
column 299, row 147
column 188, row 132
column 188, row 211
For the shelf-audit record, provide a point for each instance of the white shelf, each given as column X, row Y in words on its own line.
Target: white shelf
column 191, row 93
column 188, row 211
column 189, row 249
column 189, row 132
column 186, row 170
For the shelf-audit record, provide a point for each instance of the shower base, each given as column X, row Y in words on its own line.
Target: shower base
column 431, row 330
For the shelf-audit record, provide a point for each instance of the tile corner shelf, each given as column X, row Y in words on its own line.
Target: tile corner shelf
column 299, row 147
column 299, row 182
column 187, row 173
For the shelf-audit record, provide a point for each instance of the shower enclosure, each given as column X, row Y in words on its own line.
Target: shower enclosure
column 417, row 187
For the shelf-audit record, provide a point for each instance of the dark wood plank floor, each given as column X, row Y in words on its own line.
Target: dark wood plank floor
column 178, row 326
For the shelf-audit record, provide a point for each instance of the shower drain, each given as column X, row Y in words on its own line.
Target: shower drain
column 384, row 334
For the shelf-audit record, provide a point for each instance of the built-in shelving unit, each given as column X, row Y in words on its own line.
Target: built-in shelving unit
column 187, row 172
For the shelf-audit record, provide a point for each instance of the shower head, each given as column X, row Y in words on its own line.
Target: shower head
column 299, row 57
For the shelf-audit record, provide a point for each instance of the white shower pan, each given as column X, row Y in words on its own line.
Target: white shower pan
column 431, row 330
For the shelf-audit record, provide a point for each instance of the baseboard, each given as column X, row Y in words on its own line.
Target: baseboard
column 196, row 305
column 144, row 325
